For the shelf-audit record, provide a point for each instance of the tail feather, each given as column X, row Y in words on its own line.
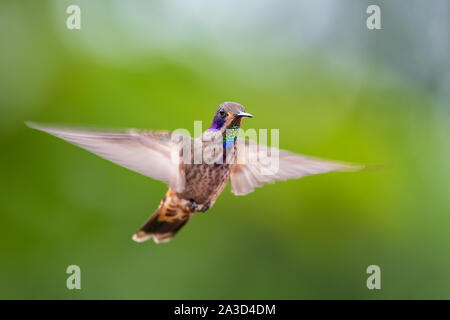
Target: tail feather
column 171, row 215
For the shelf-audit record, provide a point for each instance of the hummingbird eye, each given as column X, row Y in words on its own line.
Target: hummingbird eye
column 222, row 112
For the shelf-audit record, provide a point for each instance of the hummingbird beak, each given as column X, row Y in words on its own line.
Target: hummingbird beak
column 243, row 114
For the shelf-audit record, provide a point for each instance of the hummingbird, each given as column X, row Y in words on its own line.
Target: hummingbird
column 194, row 186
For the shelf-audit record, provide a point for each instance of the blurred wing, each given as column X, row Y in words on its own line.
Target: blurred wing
column 260, row 166
column 149, row 153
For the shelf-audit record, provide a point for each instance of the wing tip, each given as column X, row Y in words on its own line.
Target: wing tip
column 353, row 167
column 32, row 125
column 38, row 126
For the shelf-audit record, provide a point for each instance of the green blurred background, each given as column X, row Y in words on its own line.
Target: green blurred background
column 310, row 68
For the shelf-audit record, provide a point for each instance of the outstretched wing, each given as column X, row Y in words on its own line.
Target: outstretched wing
column 150, row 153
column 260, row 164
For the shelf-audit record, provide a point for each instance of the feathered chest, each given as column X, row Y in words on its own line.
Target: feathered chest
column 205, row 182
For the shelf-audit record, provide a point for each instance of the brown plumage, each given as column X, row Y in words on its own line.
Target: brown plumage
column 172, row 214
column 194, row 187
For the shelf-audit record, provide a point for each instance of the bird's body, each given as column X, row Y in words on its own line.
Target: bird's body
column 205, row 182
column 194, row 186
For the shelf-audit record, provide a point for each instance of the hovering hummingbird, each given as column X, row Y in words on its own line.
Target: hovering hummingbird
column 193, row 187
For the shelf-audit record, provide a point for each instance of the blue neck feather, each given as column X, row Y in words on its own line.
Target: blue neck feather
column 229, row 135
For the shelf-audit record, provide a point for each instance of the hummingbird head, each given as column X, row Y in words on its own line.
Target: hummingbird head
column 227, row 120
column 228, row 116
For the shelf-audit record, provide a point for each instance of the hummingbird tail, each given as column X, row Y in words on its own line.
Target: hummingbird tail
column 171, row 215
